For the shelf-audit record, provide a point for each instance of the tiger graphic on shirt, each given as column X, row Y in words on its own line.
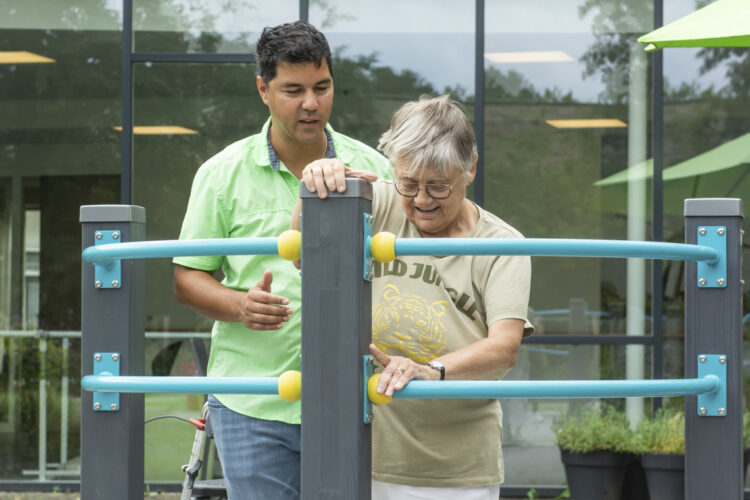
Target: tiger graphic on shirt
column 409, row 325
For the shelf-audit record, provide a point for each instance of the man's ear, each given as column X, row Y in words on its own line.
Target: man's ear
column 262, row 89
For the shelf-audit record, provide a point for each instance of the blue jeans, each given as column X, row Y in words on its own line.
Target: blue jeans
column 260, row 458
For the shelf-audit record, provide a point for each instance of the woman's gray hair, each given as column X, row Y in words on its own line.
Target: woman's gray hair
column 433, row 133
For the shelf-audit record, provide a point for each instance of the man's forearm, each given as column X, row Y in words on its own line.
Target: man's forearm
column 200, row 291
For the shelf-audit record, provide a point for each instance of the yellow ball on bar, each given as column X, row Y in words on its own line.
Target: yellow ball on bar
column 383, row 246
column 290, row 243
column 290, row 385
column 372, row 391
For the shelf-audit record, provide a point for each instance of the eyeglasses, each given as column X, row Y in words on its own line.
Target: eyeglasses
column 436, row 191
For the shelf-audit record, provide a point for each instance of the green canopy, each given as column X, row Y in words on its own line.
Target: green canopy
column 720, row 172
column 724, row 23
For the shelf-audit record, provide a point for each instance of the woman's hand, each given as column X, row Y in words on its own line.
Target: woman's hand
column 398, row 371
column 329, row 174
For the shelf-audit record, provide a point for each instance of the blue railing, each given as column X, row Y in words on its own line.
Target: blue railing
column 181, row 248
column 181, row 385
column 551, row 247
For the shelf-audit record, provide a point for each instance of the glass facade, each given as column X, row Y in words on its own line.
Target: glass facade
column 563, row 101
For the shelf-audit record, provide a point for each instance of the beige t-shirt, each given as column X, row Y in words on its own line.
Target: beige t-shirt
column 424, row 307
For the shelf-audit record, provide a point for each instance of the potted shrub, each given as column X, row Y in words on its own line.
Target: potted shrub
column 661, row 442
column 595, row 448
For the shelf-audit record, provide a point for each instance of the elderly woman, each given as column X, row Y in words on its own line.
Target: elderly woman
column 437, row 318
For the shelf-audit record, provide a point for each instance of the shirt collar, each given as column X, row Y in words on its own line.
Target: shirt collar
column 274, row 158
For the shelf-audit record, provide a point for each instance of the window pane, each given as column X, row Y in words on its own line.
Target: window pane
column 706, row 124
column 60, row 93
column 206, row 27
column 553, row 172
column 390, row 52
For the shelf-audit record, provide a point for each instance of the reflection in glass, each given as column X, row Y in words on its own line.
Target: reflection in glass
column 528, row 424
column 390, row 52
column 527, row 91
column 206, row 27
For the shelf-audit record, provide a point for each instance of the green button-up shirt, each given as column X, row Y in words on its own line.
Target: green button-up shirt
column 236, row 194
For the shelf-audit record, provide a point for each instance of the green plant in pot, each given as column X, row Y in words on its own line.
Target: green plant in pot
column 595, row 447
column 661, row 442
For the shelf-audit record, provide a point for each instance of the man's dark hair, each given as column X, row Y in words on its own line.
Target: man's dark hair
column 297, row 42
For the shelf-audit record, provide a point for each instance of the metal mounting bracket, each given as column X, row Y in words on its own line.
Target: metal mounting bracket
column 106, row 364
column 367, row 361
column 713, row 275
column 713, row 404
column 107, row 274
column 367, row 238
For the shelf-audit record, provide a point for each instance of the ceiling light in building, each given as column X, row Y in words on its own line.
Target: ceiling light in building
column 160, row 130
column 528, row 57
column 588, row 123
column 22, row 57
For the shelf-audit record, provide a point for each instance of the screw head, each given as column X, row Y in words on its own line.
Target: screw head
column 98, row 357
column 702, row 282
column 97, row 406
column 98, row 236
column 703, row 411
column 702, row 231
column 113, row 406
column 115, row 357
column 115, row 236
column 97, row 284
column 720, row 281
column 702, row 358
column 115, row 283
column 720, row 231
column 721, row 411
column 722, row 359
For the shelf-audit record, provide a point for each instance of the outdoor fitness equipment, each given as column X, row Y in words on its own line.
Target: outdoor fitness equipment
column 338, row 246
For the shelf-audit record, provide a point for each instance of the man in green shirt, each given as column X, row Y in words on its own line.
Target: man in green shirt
column 249, row 190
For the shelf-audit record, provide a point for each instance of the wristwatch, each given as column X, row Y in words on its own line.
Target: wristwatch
column 437, row 365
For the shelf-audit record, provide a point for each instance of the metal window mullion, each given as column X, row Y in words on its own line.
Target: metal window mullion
column 657, row 143
column 479, row 100
column 127, row 102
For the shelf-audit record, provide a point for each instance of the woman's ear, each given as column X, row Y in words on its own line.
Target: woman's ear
column 471, row 174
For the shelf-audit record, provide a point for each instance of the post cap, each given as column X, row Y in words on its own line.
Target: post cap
column 713, row 207
column 355, row 188
column 112, row 213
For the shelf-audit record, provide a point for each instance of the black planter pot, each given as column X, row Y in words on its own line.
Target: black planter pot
column 635, row 486
column 598, row 475
column 665, row 475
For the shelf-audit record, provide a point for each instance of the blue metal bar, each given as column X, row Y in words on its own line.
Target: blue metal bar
column 537, row 389
column 181, row 385
column 555, row 248
column 181, row 248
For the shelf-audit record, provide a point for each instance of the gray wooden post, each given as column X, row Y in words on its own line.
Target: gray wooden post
column 112, row 322
column 336, row 332
column 713, row 325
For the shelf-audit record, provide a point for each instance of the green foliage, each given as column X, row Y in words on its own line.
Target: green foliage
column 662, row 434
column 746, row 428
column 605, row 429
